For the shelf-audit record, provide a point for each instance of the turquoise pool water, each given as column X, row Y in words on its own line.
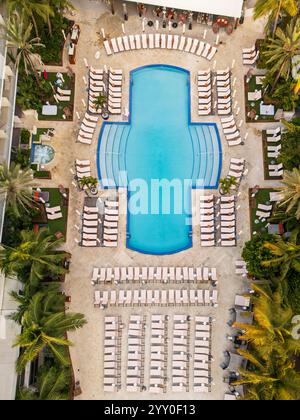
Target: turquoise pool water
column 159, row 144
column 42, row 154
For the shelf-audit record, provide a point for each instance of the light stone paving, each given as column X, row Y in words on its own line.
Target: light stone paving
column 87, row 354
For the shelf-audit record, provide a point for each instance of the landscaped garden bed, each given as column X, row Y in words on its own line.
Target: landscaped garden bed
column 259, row 196
column 253, row 107
column 56, row 227
column 54, row 42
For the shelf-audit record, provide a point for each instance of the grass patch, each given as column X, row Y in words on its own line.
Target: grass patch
column 56, row 199
column 254, row 106
column 65, row 110
column 261, row 197
column 39, row 133
column 268, row 161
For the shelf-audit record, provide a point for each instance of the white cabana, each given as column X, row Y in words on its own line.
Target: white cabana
column 230, row 8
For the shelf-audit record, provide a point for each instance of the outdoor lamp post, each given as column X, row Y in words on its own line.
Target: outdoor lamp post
column 125, row 11
column 190, row 20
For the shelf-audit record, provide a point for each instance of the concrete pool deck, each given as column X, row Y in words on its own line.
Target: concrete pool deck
column 87, row 354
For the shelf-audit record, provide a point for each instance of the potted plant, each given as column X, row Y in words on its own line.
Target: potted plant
column 90, row 183
column 100, row 102
column 226, row 184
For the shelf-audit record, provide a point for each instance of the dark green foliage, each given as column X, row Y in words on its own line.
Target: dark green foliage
column 21, row 156
column 25, row 136
column 254, row 253
column 52, row 53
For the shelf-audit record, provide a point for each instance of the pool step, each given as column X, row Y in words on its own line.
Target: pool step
column 207, row 155
column 112, row 155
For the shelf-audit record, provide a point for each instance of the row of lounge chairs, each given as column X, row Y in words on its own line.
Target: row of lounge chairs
column 273, row 150
column 62, row 95
column 135, row 354
column 82, row 168
column 180, row 351
column 87, row 129
column 205, row 106
column 107, row 84
column 142, row 297
column 154, row 274
column 91, row 223
column 158, row 354
column 264, row 211
column 231, row 132
column 202, row 355
column 236, row 170
column 241, row 268
column 224, row 98
column 112, row 354
column 54, row 213
column 209, row 219
column 111, row 223
column 164, row 41
column 250, row 56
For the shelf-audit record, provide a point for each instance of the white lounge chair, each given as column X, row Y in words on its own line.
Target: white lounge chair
column 132, row 42
column 144, row 41
column 120, row 44
column 138, row 42
column 126, row 43
column 107, row 48
column 182, row 43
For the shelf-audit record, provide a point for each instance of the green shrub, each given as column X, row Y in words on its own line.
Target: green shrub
column 54, row 43
column 21, row 156
column 254, row 253
column 25, row 136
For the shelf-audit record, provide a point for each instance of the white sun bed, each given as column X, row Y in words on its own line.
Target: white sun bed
column 88, row 243
column 132, row 42
column 170, row 42
column 206, row 50
column 182, row 43
column 176, row 42
column 151, row 41
column 114, row 45
column 157, row 40
column 126, row 43
column 212, row 53
column 120, row 44
column 144, row 41
column 54, row 216
column 163, row 39
column 188, row 45
column 138, row 42
column 107, row 48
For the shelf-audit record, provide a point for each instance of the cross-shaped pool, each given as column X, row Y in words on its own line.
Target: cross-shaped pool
column 159, row 156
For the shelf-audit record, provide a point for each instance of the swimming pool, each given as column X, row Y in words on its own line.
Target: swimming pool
column 159, row 155
column 42, row 154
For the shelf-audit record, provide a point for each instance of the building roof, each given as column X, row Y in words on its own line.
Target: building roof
column 231, row 8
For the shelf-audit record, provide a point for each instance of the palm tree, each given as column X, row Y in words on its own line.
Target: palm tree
column 89, row 182
column 99, row 102
column 291, row 191
column 36, row 256
column 226, row 184
column 24, row 300
column 16, row 186
column 280, row 51
column 17, row 33
column 57, row 6
column 286, row 254
column 272, row 9
column 45, row 327
column 271, row 379
column 30, row 9
column 272, row 322
column 52, row 385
